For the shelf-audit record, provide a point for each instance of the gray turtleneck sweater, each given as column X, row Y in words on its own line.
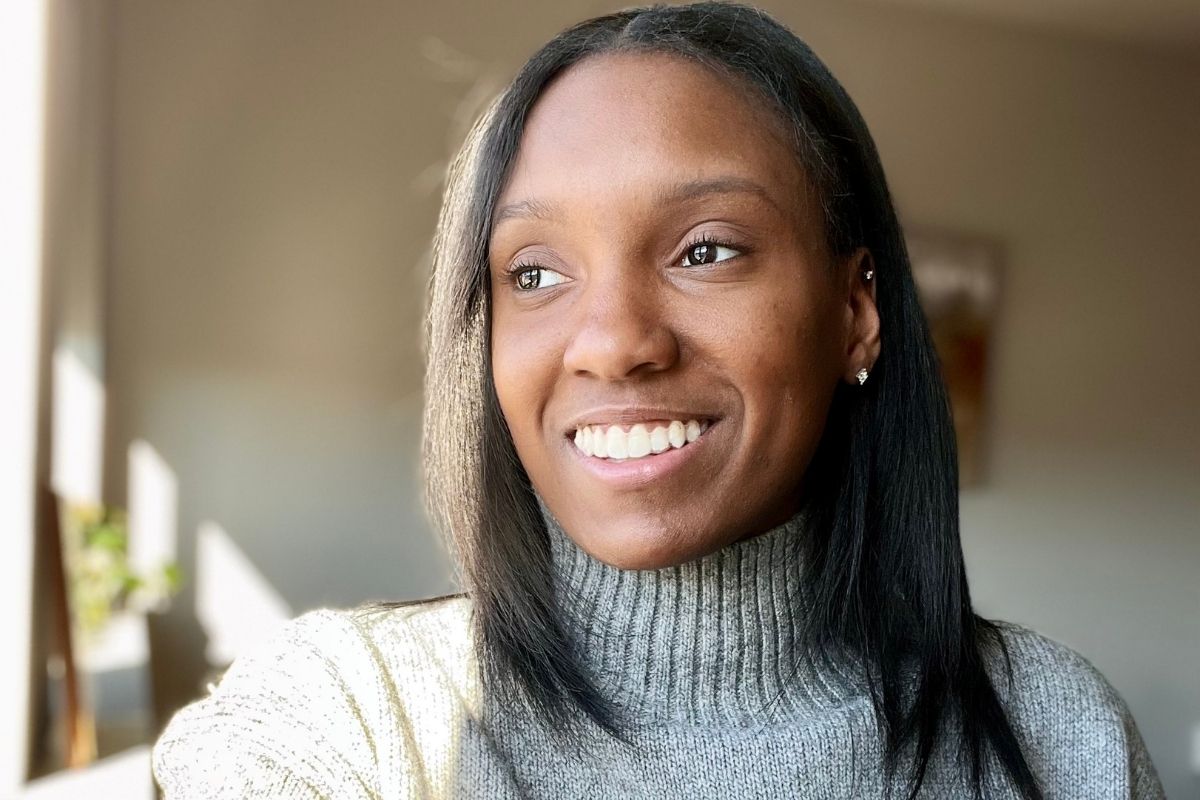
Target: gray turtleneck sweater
column 700, row 659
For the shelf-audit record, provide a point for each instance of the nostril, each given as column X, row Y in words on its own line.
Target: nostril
column 618, row 346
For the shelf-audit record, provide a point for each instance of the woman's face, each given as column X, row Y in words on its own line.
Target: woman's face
column 667, row 325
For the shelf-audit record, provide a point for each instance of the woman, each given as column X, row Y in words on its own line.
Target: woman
column 686, row 430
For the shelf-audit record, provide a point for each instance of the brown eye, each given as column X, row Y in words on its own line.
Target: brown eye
column 529, row 278
column 707, row 253
column 702, row 254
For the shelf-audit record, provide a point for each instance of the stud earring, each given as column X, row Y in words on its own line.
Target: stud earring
column 868, row 274
column 861, row 375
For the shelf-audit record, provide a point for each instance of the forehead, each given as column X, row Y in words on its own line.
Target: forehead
column 630, row 122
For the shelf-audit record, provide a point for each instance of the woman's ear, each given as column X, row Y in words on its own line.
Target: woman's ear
column 862, row 316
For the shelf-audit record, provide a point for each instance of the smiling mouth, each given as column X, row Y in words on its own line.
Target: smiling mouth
column 640, row 440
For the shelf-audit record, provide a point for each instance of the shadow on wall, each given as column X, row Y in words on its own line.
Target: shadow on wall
column 233, row 604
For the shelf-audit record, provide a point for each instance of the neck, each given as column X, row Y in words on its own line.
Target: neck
column 715, row 639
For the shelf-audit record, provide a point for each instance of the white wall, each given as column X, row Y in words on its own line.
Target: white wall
column 275, row 174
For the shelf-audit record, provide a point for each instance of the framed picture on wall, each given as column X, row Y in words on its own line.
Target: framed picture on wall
column 958, row 279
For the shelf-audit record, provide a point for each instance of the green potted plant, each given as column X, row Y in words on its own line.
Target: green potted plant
column 101, row 580
column 104, row 588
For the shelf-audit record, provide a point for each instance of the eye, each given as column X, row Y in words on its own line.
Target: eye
column 528, row 278
column 707, row 252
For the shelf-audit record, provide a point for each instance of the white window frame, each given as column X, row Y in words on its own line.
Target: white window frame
column 23, row 38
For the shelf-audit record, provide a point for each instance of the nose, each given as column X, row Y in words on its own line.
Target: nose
column 622, row 330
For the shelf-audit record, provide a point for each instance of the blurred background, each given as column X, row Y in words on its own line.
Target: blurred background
column 216, row 229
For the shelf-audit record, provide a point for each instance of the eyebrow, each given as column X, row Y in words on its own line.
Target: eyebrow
column 675, row 195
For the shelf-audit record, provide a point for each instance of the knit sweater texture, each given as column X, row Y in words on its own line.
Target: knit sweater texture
column 702, row 661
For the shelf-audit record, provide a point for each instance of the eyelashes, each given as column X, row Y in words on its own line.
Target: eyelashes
column 701, row 251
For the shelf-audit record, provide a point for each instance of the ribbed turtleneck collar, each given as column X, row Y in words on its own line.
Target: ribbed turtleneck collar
column 718, row 639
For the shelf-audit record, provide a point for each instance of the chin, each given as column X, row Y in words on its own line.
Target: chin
column 645, row 544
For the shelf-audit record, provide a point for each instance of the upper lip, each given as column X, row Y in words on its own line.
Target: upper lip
column 628, row 415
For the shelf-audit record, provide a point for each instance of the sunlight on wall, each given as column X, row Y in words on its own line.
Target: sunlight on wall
column 22, row 89
column 153, row 509
column 125, row 776
column 78, row 429
column 235, row 604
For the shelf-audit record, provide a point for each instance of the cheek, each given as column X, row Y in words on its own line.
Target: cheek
column 522, row 371
column 777, row 342
column 784, row 358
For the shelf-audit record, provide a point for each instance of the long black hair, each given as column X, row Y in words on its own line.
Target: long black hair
column 888, row 589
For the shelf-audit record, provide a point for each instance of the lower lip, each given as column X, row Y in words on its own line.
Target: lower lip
column 632, row 473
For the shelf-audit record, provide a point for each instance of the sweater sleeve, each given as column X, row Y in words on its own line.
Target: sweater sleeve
column 1144, row 783
column 284, row 722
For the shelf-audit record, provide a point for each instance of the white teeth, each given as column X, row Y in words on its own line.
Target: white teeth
column 676, row 435
column 638, row 441
column 617, row 444
column 599, row 443
column 614, row 442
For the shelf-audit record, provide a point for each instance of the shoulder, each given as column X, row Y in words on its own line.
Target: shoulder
column 442, row 622
column 1065, row 709
column 441, row 619
column 347, row 650
column 1043, row 669
column 413, row 638
column 318, row 708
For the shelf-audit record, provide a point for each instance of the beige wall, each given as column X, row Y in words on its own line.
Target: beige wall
column 275, row 182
